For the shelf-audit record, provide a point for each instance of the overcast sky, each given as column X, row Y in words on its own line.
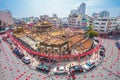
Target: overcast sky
column 26, row 8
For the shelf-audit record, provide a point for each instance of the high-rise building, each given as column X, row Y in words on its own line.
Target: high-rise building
column 77, row 17
column 74, row 12
column 6, row 17
column 104, row 14
column 81, row 9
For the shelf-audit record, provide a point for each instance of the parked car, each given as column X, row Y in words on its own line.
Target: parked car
column 118, row 44
column 102, row 48
column 26, row 60
column 43, row 67
column 102, row 53
column 17, row 53
column 60, row 69
column 89, row 65
column 47, row 60
column 20, row 55
column 76, row 68
column 96, row 40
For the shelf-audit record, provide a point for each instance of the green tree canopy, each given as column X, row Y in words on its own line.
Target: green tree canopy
column 91, row 33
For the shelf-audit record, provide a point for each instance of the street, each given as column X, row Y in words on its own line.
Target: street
column 12, row 68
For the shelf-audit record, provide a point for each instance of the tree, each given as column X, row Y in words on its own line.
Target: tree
column 91, row 33
column 90, row 28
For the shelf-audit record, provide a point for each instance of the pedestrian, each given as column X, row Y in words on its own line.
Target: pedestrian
column 73, row 74
column 69, row 74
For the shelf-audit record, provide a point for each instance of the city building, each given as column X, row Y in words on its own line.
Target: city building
column 102, row 14
column 90, row 20
column 77, row 17
column 113, row 23
column 6, row 17
column 95, row 15
column 55, row 21
column 75, row 21
column 82, row 9
column 105, row 25
column 44, row 17
column 118, row 22
column 79, row 11
column 64, row 22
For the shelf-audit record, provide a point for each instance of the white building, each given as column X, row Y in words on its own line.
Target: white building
column 118, row 22
column 75, row 21
column 104, row 25
column 6, row 17
column 89, row 20
column 55, row 21
column 64, row 22
column 113, row 23
column 76, row 16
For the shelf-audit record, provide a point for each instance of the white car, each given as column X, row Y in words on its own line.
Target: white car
column 26, row 60
column 60, row 69
column 89, row 65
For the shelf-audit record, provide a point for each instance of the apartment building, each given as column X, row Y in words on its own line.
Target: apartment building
column 6, row 17
column 104, row 25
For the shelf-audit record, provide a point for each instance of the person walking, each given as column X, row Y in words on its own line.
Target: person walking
column 73, row 74
column 69, row 75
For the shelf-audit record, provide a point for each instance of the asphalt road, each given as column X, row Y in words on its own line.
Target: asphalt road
column 12, row 68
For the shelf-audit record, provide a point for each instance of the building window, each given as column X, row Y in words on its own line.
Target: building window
column 104, row 19
column 102, row 27
column 103, row 23
column 101, row 30
column 96, row 23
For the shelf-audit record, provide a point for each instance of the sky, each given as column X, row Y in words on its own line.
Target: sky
column 27, row 8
